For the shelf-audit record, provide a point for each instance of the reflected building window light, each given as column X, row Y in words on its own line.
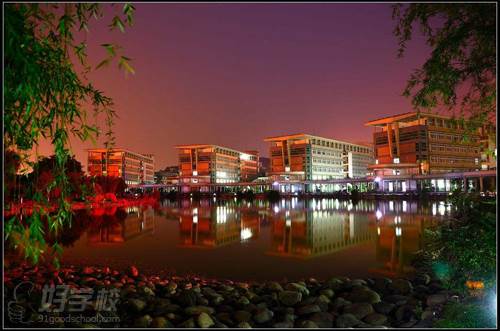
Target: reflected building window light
column 378, row 230
column 378, row 214
column 399, row 231
column 246, row 233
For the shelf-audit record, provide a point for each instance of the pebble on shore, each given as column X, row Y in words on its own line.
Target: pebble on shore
column 191, row 302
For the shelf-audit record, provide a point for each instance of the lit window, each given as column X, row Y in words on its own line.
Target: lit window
column 396, row 160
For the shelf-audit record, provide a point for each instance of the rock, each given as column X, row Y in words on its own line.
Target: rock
column 381, row 284
column 335, row 284
column 363, row 295
column 147, row 291
column 401, row 286
column 263, row 315
column 346, row 321
column 329, row 293
column 358, row 282
column 283, row 325
column 220, row 325
column 360, row 309
column 136, row 305
column 242, row 316
column 339, row 302
column 308, row 309
column 187, row 298
column 209, row 292
column 133, row 271
column 375, row 319
column 161, row 322
column 397, row 299
column 290, row 298
column 217, row 300
column 408, row 324
column 307, row 324
column 422, row 279
column 274, row 287
column 297, row 287
column 384, row 308
column 243, row 301
column 322, row 319
column 204, row 320
column 188, row 324
column 322, row 299
column 436, row 299
column 87, row 271
column 404, row 313
column 424, row 324
column 171, row 287
column 197, row 310
column 143, row 321
column 225, row 318
column 428, row 314
column 244, row 325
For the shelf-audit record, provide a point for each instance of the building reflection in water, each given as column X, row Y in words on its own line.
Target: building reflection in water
column 120, row 226
column 210, row 226
column 322, row 227
column 312, row 228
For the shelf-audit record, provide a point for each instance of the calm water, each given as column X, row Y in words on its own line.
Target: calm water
column 257, row 240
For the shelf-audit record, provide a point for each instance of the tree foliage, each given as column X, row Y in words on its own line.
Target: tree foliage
column 464, row 247
column 46, row 95
column 461, row 70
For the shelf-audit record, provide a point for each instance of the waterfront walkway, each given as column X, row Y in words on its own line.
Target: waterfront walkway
column 482, row 181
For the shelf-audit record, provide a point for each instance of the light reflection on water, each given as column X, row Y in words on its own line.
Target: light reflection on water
column 246, row 240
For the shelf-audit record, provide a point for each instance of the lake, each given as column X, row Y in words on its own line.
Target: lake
column 259, row 240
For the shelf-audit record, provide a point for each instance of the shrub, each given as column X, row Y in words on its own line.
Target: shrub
column 464, row 247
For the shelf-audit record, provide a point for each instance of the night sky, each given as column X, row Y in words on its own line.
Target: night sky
column 233, row 74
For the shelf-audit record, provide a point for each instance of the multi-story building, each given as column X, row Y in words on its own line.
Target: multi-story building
column 488, row 145
column 264, row 163
column 205, row 164
column 133, row 167
column 167, row 175
column 306, row 157
column 417, row 143
column 249, row 165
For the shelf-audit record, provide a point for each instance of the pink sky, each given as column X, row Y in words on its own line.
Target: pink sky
column 233, row 74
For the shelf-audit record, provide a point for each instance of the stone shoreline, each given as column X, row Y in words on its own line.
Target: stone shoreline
column 192, row 302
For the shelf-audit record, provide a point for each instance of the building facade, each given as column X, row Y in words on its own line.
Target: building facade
column 488, row 145
column 249, row 165
column 206, row 164
column 423, row 143
column 169, row 175
column 133, row 167
column 307, row 157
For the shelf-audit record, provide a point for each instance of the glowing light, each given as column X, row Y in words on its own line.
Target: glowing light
column 276, row 209
column 378, row 230
column 378, row 214
column 287, row 169
column 396, row 160
column 288, row 223
column 399, row 231
column 195, row 173
column 404, row 206
column 195, row 218
column 246, row 233
column 275, row 183
column 378, row 179
column 244, row 156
